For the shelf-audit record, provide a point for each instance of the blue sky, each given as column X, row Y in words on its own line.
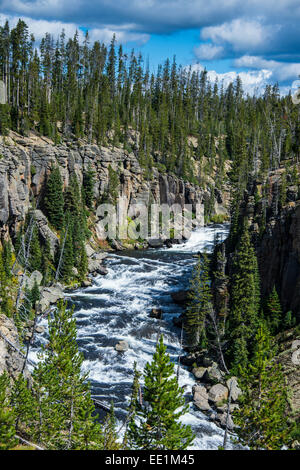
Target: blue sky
column 259, row 40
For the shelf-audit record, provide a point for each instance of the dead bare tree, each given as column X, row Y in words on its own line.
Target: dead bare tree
column 227, row 417
column 179, row 357
column 57, row 274
column 214, row 323
column 26, row 263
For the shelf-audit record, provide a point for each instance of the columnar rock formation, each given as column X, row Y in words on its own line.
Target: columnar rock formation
column 26, row 162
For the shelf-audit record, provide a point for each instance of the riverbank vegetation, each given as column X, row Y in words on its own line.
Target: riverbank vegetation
column 179, row 122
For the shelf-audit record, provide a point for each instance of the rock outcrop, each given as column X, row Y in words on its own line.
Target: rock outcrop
column 25, row 164
column 278, row 246
column 122, row 346
column 49, row 296
column 11, row 361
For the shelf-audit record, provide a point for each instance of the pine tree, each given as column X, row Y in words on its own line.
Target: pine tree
column 134, row 399
column 7, row 416
column 273, row 311
column 47, row 267
column 35, row 259
column 200, row 303
column 23, row 404
column 156, row 425
column 6, row 301
column 88, row 186
column 83, row 263
column 54, row 200
column 245, row 300
column 68, row 250
column 261, row 419
column 34, row 294
column 289, row 320
column 88, row 431
column 110, row 434
column 64, row 404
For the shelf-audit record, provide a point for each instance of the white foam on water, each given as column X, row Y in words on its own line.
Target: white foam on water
column 117, row 307
column 202, row 238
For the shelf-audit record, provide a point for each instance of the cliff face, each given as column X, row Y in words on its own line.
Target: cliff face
column 278, row 246
column 11, row 359
column 279, row 257
column 26, row 162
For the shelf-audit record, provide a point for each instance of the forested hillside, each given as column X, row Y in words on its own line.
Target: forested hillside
column 86, row 123
column 65, row 89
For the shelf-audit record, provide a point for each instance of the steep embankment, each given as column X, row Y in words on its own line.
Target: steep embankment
column 26, row 162
column 273, row 213
column 278, row 244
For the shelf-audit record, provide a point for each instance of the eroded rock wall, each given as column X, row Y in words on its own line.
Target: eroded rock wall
column 26, row 162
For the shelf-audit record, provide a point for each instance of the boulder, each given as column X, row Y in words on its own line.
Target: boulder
column 40, row 329
column 89, row 250
column 122, row 346
column 155, row 243
column 188, row 360
column 169, row 243
column 295, row 344
column 99, row 256
column 156, row 313
column 223, row 408
column 95, row 267
column 235, row 390
column 116, row 245
column 207, row 361
column 74, row 271
column 222, row 419
column 180, row 297
column 36, row 276
column 45, row 231
column 49, row 296
column 199, row 372
column 86, row 283
column 10, row 360
column 200, row 398
column 213, row 374
column 218, row 393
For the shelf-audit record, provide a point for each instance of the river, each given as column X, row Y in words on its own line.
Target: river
column 117, row 307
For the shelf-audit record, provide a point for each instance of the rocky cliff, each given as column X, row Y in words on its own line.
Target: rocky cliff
column 11, row 356
column 278, row 245
column 26, row 162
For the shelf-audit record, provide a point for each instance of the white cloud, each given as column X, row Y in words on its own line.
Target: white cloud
column 208, row 51
column 240, row 34
column 281, row 71
column 40, row 27
column 253, row 82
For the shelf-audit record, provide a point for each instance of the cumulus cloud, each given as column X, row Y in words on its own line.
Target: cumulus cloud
column 208, row 51
column 240, row 34
column 281, row 71
column 40, row 27
column 253, row 82
column 154, row 15
column 265, row 31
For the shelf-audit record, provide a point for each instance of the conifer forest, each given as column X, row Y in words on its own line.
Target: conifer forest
column 116, row 342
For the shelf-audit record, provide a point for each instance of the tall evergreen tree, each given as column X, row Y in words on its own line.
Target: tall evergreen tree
column 156, row 425
column 273, row 311
column 7, row 416
column 200, row 303
column 88, row 186
column 245, row 300
column 62, row 391
column 261, row 419
column 54, row 200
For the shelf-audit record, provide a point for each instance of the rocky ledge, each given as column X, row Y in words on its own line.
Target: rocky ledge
column 212, row 388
